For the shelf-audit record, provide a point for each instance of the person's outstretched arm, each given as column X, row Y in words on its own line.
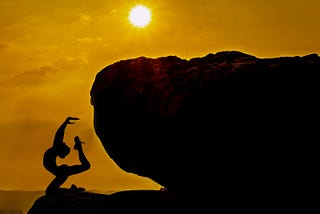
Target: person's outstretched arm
column 58, row 138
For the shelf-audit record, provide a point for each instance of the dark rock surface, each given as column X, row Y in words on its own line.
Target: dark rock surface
column 139, row 201
column 228, row 123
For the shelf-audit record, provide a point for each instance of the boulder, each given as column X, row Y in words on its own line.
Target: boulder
column 229, row 123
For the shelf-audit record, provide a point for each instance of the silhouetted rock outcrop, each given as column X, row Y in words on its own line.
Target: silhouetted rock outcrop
column 229, row 123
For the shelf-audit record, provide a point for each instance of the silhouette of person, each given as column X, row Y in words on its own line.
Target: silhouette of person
column 62, row 172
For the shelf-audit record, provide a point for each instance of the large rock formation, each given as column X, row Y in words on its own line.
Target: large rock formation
column 228, row 122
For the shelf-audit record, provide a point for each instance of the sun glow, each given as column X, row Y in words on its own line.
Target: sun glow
column 140, row 16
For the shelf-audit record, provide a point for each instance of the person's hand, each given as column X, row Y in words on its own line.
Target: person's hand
column 69, row 120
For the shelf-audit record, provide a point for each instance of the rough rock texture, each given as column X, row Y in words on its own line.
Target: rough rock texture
column 228, row 123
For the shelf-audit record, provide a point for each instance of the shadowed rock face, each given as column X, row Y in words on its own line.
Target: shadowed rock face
column 228, row 122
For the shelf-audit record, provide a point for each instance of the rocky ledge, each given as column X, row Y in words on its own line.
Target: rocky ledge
column 137, row 201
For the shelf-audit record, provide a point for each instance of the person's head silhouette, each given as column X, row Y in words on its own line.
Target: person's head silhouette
column 63, row 150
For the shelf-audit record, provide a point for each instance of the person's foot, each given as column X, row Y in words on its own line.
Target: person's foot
column 74, row 188
column 78, row 143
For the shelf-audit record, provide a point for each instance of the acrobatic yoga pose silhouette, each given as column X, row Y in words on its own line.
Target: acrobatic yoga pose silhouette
column 62, row 172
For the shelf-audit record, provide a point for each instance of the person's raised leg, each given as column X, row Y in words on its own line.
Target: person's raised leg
column 85, row 164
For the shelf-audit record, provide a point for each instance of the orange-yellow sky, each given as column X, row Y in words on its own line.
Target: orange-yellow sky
column 50, row 52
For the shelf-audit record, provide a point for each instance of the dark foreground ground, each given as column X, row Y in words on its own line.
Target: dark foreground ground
column 142, row 201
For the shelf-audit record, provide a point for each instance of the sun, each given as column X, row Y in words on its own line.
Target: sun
column 140, row 16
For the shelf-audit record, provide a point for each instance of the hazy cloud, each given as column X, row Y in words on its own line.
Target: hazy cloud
column 42, row 74
column 5, row 45
column 71, row 62
column 89, row 39
column 85, row 18
column 31, row 77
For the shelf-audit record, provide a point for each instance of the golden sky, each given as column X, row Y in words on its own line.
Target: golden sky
column 50, row 52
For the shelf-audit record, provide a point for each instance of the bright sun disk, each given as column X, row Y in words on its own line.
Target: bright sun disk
column 140, row 16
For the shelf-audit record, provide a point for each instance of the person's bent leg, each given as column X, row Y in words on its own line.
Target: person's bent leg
column 54, row 186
